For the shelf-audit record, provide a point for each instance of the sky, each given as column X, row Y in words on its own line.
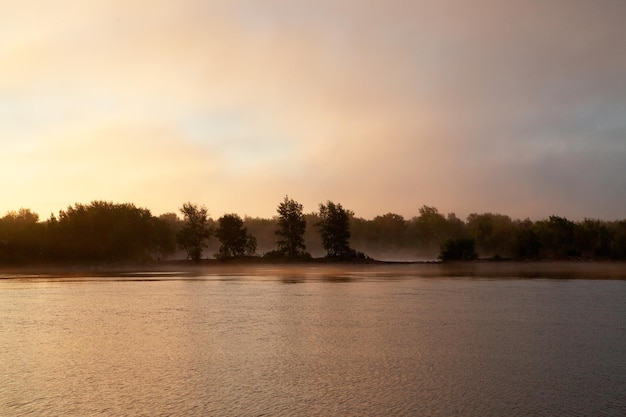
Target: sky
column 512, row 107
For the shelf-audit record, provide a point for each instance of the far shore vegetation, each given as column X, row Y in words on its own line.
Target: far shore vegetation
column 105, row 232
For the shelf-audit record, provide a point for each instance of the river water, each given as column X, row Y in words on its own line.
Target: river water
column 315, row 341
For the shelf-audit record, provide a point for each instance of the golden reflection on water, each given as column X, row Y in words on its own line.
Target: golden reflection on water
column 365, row 340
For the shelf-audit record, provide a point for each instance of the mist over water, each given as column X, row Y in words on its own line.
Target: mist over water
column 440, row 340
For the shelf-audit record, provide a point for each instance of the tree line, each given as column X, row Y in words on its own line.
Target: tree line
column 107, row 232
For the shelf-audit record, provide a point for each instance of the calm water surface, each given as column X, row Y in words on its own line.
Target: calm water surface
column 317, row 341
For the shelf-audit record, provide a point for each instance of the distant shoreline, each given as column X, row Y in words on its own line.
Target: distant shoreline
column 574, row 269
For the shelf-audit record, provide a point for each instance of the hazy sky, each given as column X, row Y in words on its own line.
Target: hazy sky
column 516, row 107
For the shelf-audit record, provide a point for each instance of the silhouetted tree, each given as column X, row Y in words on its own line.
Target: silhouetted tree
column 172, row 220
column 195, row 232
column 107, row 232
column 593, row 238
column 22, row 237
column 164, row 237
column 557, row 237
column 455, row 227
column 618, row 243
column 334, row 227
column 429, row 229
column 493, row 233
column 291, row 228
column 526, row 242
column 389, row 230
column 461, row 249
column 234, row 237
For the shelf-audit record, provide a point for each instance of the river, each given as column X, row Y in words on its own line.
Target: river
column 384, row 340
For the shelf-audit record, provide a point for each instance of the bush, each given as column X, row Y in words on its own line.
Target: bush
column 278, row 255
column 460, row 249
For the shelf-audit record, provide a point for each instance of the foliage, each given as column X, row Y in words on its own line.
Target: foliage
column 429, row 229
column 234, row 238
column 98, row 232
column 334, row 227
column 21, row 236
column 167, row 227
column 291, row 229
column 197, row 229
column 593, row 238
column 492, row 233
column 279, row 256
column 389, row 229
column 526, row 242
column 618, row 241
column 557, row 237
column 106, row 232
column 460, row 249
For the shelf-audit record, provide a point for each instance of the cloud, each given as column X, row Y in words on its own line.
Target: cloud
column 383, row 106
column 149, row 166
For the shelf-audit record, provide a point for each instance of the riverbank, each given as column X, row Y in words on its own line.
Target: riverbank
column 470, row 269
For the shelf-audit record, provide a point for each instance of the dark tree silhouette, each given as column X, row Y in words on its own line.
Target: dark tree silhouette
column 164, row 237
column 593, row 238
column 291, row 228
column 106, row 232
column 429, row 229
column 234, row 238
column 526, row 241
column 334, row 227
column 195, row 232
column 390, row 229
column 493, row 234
column 618, row 241
column 460, row 249
column 557, row 237
column 21, row 236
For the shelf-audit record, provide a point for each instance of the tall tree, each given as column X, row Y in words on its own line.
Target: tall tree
column 389, row 230
column 21, row 236
column 618, row 244
column 429, row 229
column 526, row 242
column 593, row 238
column 557, row 237
column 196, row 230
column 107, row 232
column 334, row 227
column 234, row 237
column 291, row 228
column 493, row 233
